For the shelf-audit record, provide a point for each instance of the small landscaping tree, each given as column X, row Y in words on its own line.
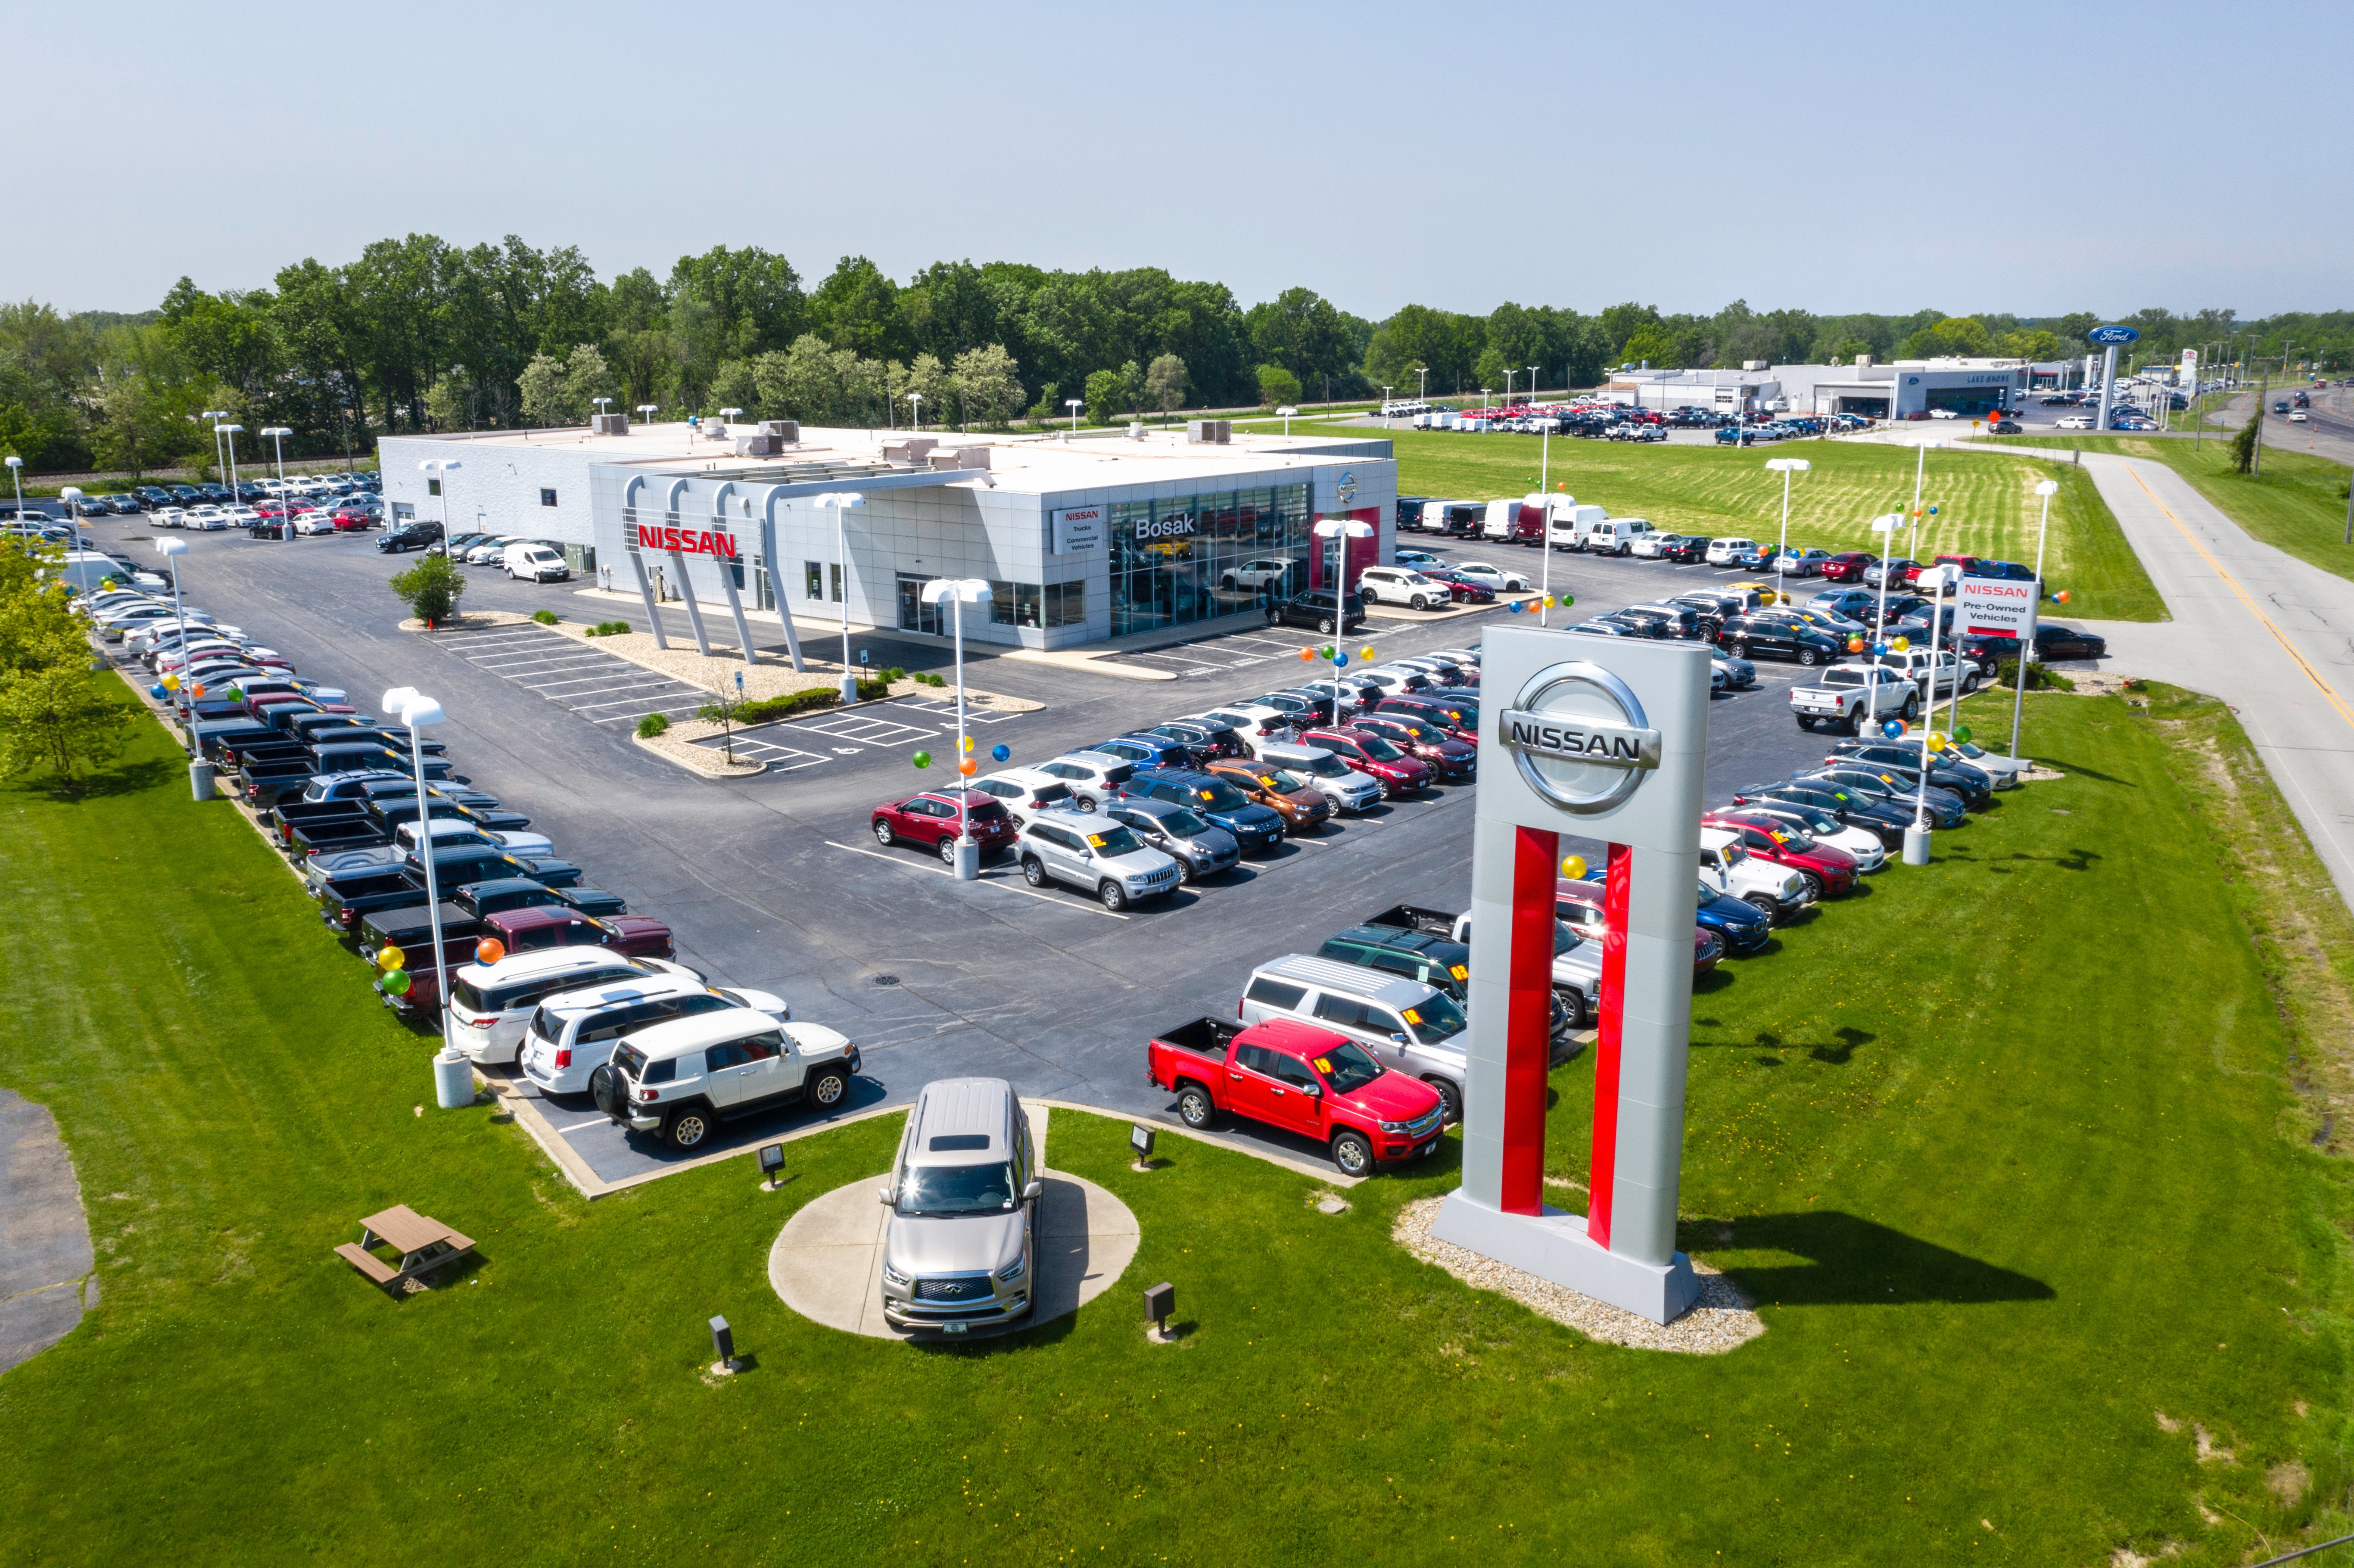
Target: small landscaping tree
column 61, row 718
column 432, row 587
column 2243, row 445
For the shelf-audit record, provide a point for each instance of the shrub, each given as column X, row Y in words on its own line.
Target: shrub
column 870, row 691
column 651, row 726
column 925, row 678
column 791, row 702
column 432, row 587
column 602, row 628
column 2039, row 677
column 545, row 617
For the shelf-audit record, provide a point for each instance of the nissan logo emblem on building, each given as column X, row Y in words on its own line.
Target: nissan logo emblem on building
column 1579, row 736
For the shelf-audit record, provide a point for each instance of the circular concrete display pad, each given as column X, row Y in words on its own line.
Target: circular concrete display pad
column 828, row 1261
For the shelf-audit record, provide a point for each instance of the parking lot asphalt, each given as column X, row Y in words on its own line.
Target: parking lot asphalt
column 775, row 881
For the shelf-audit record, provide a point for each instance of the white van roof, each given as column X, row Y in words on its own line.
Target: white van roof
column 1391, row 991
column 547, row 961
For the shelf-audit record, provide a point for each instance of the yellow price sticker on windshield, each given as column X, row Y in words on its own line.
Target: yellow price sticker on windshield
column 1323, row 1063
column 1458, row 971
column 1205, row 794
column 1096, row 840
column 1413, row 1016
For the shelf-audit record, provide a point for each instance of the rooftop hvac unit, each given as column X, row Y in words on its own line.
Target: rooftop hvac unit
column 609, row 424
column 1216, row 432
column 758, row 446
column 1754, row 364
column 786, row 431
column 961, row 457
column 715, row 427
column 910, row 450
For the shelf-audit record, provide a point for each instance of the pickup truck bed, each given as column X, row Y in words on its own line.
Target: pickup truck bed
column 1375, row 1117
column 1409, row 918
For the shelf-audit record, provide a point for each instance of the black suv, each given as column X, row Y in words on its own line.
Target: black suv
column 409, row 536
column 1771, row 634
column 1318, row 608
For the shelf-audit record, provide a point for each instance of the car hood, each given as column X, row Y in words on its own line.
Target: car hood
column 638, row 925
column 961, row 1244
column 1255, row 817
column 1394, row 1097
column 1136, row 865
column 1215, row 841
column 809, row 1039
column 1306, row 800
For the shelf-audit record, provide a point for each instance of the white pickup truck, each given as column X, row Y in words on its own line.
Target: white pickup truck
column 1732, row 869
column 1848, row 696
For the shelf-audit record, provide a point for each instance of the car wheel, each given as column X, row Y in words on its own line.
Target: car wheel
column 1740, row 647
column 1806, row 724
column 1113, row 898
column 1969, row 684
column 1033, row 873
column 1227, row 583
column 948, row 848
column 1325, row 625
column 1911, row 704
column 1574, row 1000
column 1764, row 906
column 687, row 1129
column 1187, row 871
column 1451, row 1100
column 1195, row 1107
column 883, row 834
column 1418, row 602
column 1353, row 1154
column 1084, row 802
column 1814, row 885
column 1807, row 656
column 828, row 1089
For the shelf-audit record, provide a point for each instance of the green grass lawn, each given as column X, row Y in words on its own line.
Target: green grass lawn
column 2298, row 503
column 1985, row 506
column 2009, row 1150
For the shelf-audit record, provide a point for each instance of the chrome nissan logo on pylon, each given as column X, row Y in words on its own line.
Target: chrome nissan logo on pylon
column 1579, row 736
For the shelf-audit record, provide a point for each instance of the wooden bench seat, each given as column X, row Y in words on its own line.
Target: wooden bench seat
column 367, row 1263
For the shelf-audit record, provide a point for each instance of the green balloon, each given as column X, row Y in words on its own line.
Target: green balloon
column 922, row 759
column 393, row 982
column 1962, row 735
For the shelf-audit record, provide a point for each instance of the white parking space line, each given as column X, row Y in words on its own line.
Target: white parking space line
column 948, row 710
column 869, row 731
column 943, row 871
column 584, row 1125
column 779, row 758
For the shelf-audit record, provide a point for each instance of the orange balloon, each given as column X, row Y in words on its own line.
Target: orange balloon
column 490, row 950
column 1307, row 655
column 968, row 768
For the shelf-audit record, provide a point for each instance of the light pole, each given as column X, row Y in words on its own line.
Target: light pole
column 2047, row 489
column 1916, row 837
column 646, row 412
column 1786, row 467
column 1533, row 383
column 1287, row 411
column 277, row 434
column 841, row 501
column 1343, row 529
column 230, row 432
column 1385, row 402
column 1885, row 524
column 1507, row 386
column 1919, row 468
column 958, row 593
column 1074, row 405
column 444, row 467
column 418, row 710
column 216, row 416
column 916, row 411
column 199, row 785
column 1423, row 372
column 16, row 477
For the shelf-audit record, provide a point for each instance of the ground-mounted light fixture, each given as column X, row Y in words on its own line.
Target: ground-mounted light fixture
column 1140, row 1139
column 722, row 1343
column 1159, row 1302
column 772, row 1165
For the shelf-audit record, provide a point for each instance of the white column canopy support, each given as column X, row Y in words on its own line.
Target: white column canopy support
column 728, row 570
column 638, row 564
column 778, row 582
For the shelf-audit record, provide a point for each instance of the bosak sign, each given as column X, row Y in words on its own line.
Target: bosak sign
column 1079, row 528
column 686, row 541
column 1997, row 607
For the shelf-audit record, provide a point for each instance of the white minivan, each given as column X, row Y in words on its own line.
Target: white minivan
column 529, row 558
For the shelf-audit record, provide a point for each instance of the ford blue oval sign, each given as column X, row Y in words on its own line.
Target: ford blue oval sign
column 2112, row 334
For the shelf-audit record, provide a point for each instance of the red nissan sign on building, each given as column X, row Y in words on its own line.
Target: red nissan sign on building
column 687, row 541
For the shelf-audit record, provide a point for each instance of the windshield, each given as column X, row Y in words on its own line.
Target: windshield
column 1380, row 750
column 1326, row 766
column 1183, row 823
column 1282, row 783
column 1794, row 840
column 1346, row 1068
column 1221, row 796
column 1563, row 938
column 1434, row 1021
column 1114, row 840
column 956, row 1190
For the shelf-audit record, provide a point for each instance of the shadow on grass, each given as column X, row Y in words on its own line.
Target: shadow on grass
column 2078, row 769
column 126, row 779
column 1855, row 1262
column 1838, row 1052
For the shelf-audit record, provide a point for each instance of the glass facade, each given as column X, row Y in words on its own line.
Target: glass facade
column 1026, row 604
column 1195, row 557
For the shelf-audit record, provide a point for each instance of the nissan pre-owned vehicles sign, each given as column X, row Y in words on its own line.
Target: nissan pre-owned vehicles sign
column 1079, row 528
column 1997, row 606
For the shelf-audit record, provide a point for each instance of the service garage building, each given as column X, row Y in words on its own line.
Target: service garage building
column 1084, row 539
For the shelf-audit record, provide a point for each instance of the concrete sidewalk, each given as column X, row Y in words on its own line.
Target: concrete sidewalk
column 2266, row 633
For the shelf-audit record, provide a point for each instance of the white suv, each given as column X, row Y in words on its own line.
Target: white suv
column 492, row 1004
column 573, row 1033
column 1094, row 776
column 1722, row 551
column 1348, row 790
column 1728, row 868
column 1402, row 585
column 685, row 1077
column 1024, row 791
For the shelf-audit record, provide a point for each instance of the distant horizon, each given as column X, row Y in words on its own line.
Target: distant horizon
column 1384, row 155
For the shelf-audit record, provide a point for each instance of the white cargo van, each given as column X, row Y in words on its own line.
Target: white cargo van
column 529, row 558
column 1503, row 522
column 1611, row 535
column 1563, row 529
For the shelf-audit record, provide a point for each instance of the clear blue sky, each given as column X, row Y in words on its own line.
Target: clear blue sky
column 2102, row 156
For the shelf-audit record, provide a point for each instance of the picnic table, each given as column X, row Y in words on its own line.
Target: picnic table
column 425, row 1247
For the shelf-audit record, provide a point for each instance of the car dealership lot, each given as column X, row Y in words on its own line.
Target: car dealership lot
column 773, row 881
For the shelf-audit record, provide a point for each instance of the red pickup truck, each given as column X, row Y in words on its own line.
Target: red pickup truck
column 1303, row 1079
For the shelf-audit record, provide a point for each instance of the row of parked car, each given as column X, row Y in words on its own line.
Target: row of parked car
column 181, row 498
column 576, row 982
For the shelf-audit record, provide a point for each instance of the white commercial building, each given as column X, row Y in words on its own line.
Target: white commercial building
column 1905, row 389
column 1084, row 538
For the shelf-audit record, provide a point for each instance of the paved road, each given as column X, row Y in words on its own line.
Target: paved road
column 774, row 882
column 2253, row 625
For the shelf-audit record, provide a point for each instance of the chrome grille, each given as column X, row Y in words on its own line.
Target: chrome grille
column 955, row 1289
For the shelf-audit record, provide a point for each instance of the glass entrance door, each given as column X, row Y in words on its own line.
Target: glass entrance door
column 915, row 615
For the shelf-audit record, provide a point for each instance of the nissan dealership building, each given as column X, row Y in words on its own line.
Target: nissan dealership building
column 1084, row 538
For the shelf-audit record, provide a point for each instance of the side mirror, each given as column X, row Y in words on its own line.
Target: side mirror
column 1313, row 1091
column 1396, row 1038
column 1034, row 1191
column 883, row 1195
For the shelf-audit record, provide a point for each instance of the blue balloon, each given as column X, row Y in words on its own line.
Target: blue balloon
column 1513, row 608
column 1001, row 752
column 1879, row 648
column 157, row 691
column 1892, row 730
column 1340, row 661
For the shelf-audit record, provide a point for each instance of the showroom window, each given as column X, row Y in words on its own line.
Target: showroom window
column 1028, row 604
column 547, row 498
column 813, row 576
column 1195, row 557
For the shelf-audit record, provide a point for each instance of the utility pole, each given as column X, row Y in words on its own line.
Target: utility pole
column 2256, row 458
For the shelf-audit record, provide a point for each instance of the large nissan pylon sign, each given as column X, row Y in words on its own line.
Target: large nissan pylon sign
column 1603, row 738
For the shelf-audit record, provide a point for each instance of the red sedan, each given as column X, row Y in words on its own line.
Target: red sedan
column 935, row 818
column 1463, row 589
column 1371, row 754
column 1420, row 738
column 1828, row 868
column 1848, row 565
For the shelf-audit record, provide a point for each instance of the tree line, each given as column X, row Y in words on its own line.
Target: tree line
column 420, row 335
column 62, row 712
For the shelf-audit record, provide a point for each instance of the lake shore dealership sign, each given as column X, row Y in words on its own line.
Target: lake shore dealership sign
column 1609, row 743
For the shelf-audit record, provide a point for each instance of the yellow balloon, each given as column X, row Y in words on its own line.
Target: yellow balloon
column 1366, row 653
column 967, row 743
column 171, row 682
column 387, row 957
column 1902, row 643
column 1937, row 741
column 1572, row 868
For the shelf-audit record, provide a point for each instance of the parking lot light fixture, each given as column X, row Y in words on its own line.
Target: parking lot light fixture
column 417, row 710
column 169, row 549
column 1343, row 528
column 1886, row 525
column 646, row 412
column 2045, row 491
column 958, row 593
column 214, row 417
column 1287, row 411
column 1924, row 445
column 1074, row 405
column 1532, row 383
column 277, row 434
column 916, row 411
column 1786, row 467
column 16, row 476
column 230, row 433
column 841, row 501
